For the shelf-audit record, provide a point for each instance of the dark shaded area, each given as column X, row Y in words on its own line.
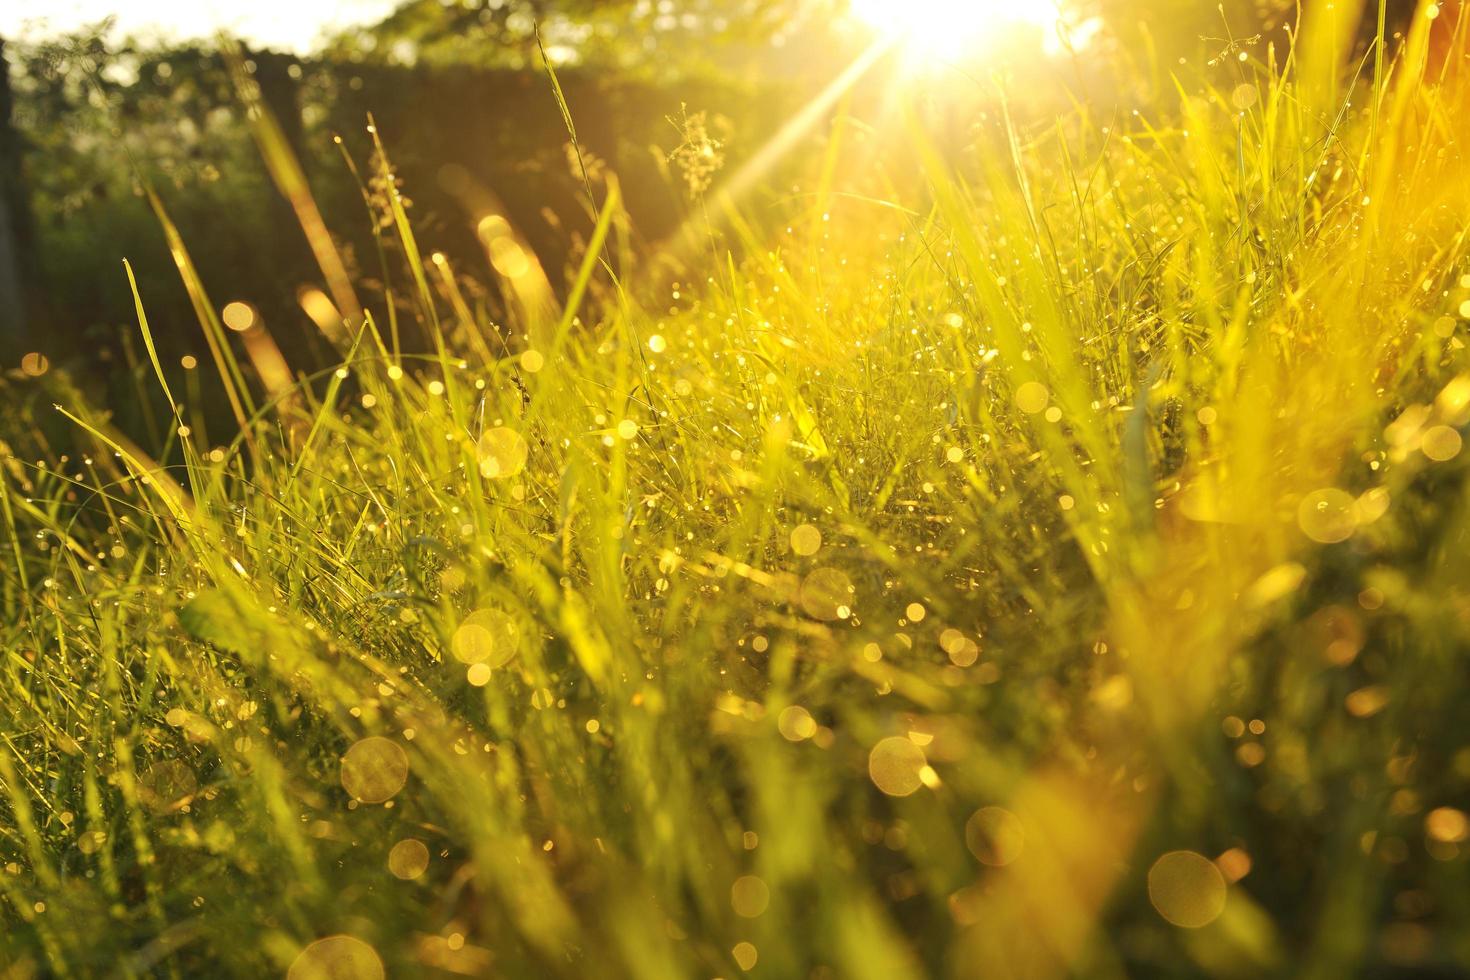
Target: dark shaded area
column 498, row 130
column 17, row 230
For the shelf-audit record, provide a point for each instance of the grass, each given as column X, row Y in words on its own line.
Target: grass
column 1061, row 573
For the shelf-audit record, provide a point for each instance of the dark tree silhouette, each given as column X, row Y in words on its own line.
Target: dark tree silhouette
column 16, row 239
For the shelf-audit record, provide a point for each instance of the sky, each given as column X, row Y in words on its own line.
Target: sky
column 292, row 25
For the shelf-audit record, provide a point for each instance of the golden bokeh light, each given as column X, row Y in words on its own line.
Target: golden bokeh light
column 486, row 636
column 1234, row 864
column 34, row 364
column 1327, row 516
column 1187, row 889
column 502, row 453
column 827, row 594
column 1365, row 702
column 749, row 896
column 962, row 651
column 509, row 258
column 745, row 955
column 1447, row 825
column 374, row 770
column 896, row 766
column 1032, row 397
column 238, row 316
column 806, row 540
column 322, row 311
column 995, row 836
column 796, row 723
column 1441, row 443
column 336, row 958
column 408, row 859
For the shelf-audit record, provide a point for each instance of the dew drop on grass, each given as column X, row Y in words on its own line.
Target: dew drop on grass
column 408, row 859
column 336, row 958
column 995, row 836
column 896, row 765
column 502, row 453
column 374, row 770
column 532, row 361
column 1186, row 889
column 806, row 540
column 1327, row 516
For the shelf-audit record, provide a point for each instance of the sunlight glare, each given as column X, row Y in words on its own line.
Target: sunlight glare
column 951, row 29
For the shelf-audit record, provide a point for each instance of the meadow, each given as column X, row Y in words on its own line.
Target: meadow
column 1048, row 564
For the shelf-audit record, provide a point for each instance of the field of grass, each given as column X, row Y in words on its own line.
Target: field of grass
column 1059, row 571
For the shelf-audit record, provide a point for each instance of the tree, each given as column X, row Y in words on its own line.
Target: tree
column 16, row 240
column 636, row 38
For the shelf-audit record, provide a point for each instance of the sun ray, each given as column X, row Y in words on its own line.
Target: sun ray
column 950, row 30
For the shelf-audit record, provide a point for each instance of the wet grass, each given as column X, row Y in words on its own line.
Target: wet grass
column 1061, row 573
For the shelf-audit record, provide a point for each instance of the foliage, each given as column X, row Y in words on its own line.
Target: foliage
column 101, row 119
column 1047, row 564
column 634, row 37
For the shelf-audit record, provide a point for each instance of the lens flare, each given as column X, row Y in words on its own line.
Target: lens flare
column 953, row 29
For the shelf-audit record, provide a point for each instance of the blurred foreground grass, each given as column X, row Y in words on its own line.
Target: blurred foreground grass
column 1060, row 574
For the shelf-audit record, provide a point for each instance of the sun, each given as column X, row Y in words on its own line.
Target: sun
column 951, row 29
